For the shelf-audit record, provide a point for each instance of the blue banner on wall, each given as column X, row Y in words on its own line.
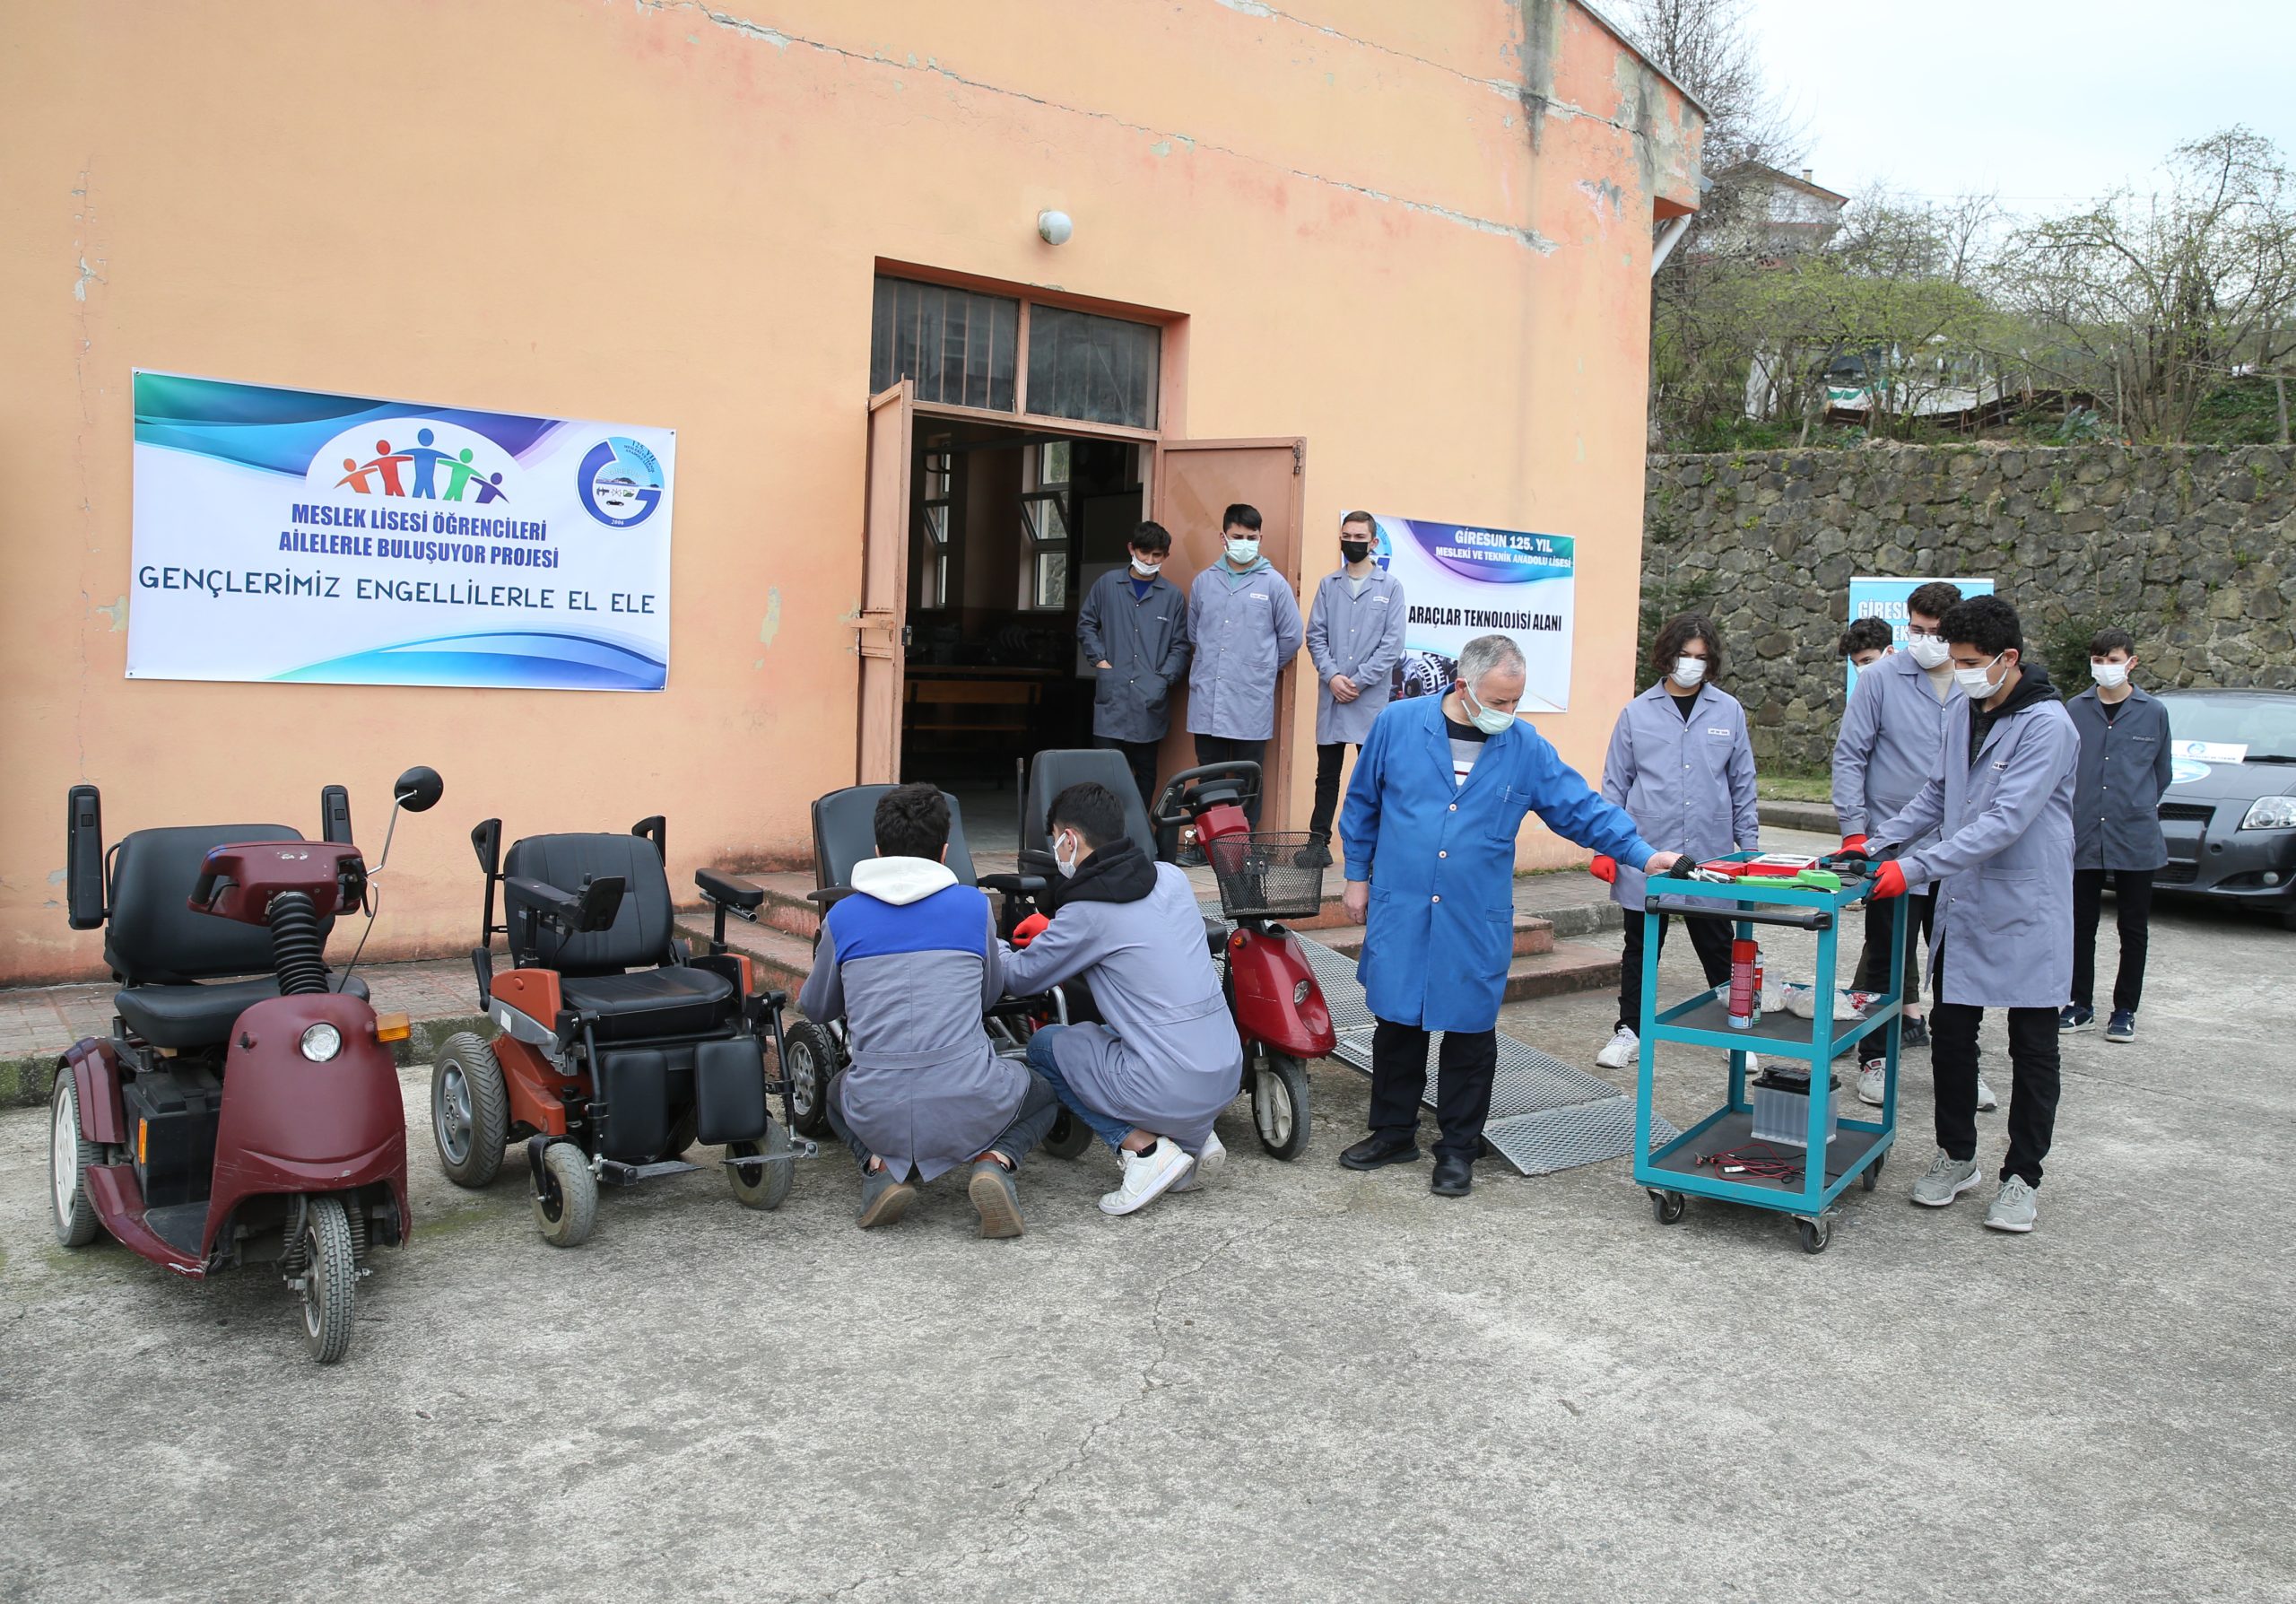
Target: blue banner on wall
column 1461, row 581
column 1884, row 599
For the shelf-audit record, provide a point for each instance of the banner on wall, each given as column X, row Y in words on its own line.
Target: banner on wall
column 1884, row 599
column 1461, row 581
column 290, row 535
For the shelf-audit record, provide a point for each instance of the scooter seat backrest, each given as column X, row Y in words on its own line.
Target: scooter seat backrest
column 151, row 937
column 845, row 831
column 1053, row 773
column 642, row 928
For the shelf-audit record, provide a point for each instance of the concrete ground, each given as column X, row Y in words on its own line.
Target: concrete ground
column 1306, row 1385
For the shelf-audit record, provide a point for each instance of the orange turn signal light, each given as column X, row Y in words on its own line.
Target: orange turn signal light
column 392, row 1027
column 143, row 1141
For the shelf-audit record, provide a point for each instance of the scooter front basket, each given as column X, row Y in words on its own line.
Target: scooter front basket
column 1261, row 875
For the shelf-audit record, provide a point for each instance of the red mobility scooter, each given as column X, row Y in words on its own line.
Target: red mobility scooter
column 256, row 1120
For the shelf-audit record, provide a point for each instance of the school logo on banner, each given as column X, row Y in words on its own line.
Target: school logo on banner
column 620, row 482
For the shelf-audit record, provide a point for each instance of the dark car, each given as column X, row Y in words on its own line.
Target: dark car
column 2230, row 814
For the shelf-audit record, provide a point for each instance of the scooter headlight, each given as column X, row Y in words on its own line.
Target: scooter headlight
column 1299, row 992
column 321, row 1042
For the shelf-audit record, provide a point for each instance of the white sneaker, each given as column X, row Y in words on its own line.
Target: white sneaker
column 1873, row 1082
column 1754, row 1063
column 1985, row 1100
column 1148, row 1177
column 1206, row 1169
column 1621, row 1052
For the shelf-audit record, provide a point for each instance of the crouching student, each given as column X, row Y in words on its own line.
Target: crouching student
column 1149, row 1080
column 910, row 961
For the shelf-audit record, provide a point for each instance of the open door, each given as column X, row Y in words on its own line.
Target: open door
column 883, row 627
column 1195, row 482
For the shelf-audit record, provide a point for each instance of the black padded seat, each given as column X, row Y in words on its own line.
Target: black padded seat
column 182, row 1016
column 676, row 1001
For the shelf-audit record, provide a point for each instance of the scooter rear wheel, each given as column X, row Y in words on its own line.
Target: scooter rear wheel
column 1280, row 1106
column 69, row 1154
column 470, row 1110
column 330, row 1278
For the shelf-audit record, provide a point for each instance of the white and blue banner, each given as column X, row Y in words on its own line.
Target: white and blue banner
column 1461, row 581
column 1884, row 599
column 290, row 535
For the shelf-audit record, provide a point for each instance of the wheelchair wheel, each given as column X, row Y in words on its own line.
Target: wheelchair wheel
column 809, row 1058
column 567, row 1208
column 762, row 1186
column 680, row 1136
column 1068, row 1137
column 470, row 1110
column 1280, row 1106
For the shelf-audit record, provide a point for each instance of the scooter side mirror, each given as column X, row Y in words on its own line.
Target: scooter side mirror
column 418, row 789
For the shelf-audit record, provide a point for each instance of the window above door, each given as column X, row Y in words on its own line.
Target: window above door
column 1012, row 355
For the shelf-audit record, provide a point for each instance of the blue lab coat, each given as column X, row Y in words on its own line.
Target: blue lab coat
column 1440, row 859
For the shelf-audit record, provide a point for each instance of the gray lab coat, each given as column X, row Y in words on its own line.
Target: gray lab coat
column 1168, row 1059
column 1892, row 733
column 2001, row 858
column 910, row 967
column 1361, row 637
column 2124, row 772
column 1688, row 786
column 1242, row 634
column 1144, row 640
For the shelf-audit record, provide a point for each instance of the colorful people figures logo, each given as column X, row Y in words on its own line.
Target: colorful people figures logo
column 422, row 460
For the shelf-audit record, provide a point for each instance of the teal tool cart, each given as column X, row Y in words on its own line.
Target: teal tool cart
column 1720, row 1156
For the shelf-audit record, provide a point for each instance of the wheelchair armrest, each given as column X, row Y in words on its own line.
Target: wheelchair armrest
column 829, row 896
column 730, row 892
column 578, row 915
column 1013, row 886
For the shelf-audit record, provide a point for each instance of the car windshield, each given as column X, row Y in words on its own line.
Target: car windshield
column 2265, row 725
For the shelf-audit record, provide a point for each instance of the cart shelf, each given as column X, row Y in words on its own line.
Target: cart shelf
column 1704, row 1021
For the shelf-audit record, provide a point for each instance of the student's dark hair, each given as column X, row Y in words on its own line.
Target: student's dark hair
column 1985, row 621
column 1681, row 632
column 1240, row 515
column 1091, row 810
column 912, row 821
column 1358, row 517
column 1867, row 634
column 1151, row 536
column 1934, row 599
column 2104, row 642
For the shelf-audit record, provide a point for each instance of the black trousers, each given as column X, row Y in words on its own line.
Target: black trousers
column 2132, row 916
column 1140, row 757
column 1220, row 749
column 1328, row 760
column 1873, row 957
column 2032, row 1098
column 1709, row 938
column 1462, row 1084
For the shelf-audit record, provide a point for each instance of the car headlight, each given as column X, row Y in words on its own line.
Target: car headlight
column 321, row 1042
column 2271, row 812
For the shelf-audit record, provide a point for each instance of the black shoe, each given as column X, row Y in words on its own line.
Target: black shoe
column 1454, row 1176
column 1374, row 1151
column 1917, row 1034
column 1316, row 854
column 1190, row 857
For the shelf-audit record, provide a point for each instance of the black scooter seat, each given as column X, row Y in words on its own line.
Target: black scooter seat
column 197, row 1015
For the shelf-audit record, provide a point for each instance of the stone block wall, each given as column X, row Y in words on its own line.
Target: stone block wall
column 2185, row 547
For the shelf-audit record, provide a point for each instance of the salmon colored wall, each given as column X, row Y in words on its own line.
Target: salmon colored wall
column 1418, row 235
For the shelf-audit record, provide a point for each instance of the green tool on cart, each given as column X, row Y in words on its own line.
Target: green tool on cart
column 1719, row 1156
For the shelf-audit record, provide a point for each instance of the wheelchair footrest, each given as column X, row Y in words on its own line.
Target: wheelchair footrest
column 799, row 1147
column 623, row 1174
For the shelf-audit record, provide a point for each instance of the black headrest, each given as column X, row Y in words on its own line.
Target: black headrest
column 1053, row 773
column 642, row 930
column 845, row 831
column 151, row 936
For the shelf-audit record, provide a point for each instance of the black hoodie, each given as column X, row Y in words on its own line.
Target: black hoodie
column 1119, row 872
column 2032, row 686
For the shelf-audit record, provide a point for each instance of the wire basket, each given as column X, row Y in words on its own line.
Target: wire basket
column 1261, row 877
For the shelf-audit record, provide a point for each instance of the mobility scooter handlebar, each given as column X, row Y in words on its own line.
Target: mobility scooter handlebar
column 239, row 882
column 1168, row 811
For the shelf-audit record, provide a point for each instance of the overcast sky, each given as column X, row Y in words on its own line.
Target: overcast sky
column 2049, row 102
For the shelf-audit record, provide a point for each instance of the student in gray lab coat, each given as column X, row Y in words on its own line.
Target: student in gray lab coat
column 1243, row 622
column 2125, row 771
column 1167, row 1060
column 909, row 962
column 1134, row 626
column 1355, row 639
column 2001, row 800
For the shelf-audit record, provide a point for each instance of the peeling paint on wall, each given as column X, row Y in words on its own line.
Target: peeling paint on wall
column 771, row 626
column 731, row 24
column 117, row 612
column 1250, row 8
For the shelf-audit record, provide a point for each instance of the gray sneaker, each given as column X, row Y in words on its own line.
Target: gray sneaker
column 884, row 1200
column 2015, row 1206
column 995, row 1198
column 1946, row 1179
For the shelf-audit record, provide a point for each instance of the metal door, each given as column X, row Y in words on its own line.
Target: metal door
column 881, row 632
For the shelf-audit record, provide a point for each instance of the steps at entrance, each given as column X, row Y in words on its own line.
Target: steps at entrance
column 1533, row 935
column 1543, row 966
column 783, row 960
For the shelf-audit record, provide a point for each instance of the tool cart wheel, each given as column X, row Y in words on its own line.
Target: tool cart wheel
column 808, row 1061
column 1068, row 1137
column 762, row 1186
column 1815, row 1234
column 568, row 1206
column 1668, row 1207
column 1872, row 1178
column 1280, row 1106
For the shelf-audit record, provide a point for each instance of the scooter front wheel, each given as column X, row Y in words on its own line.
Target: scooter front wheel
column 1279, row 1104
column 330, row 1278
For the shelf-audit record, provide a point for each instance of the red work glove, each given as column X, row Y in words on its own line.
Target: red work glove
column 1889, row 881
column 1853, row 843
column 1604, row 868
column 1030, row 927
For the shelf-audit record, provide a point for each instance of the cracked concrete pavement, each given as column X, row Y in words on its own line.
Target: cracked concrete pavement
column 1304, row 1384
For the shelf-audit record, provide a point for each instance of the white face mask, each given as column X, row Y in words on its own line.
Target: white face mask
column 2108, row 675
column 1067, row 866
column 1978, row 684
column 1689, row 671
column 1491, row 720
column 1146, row 571
column 1242, row 552
column 1927, row 651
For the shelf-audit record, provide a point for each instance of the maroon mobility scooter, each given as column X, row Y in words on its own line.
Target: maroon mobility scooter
column 244, row 1109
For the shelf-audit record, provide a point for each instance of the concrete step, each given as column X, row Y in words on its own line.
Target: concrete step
column 782, row 960
column 1569, row 966
column 1532, row 935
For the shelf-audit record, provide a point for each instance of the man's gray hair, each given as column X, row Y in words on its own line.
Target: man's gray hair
column 1485, row 653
